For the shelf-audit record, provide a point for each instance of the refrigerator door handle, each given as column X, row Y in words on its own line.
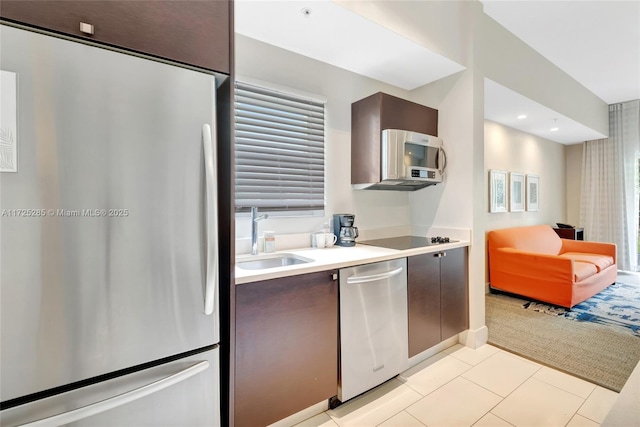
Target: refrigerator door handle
column 211, row 220
column 374, row 277
column 119, row 400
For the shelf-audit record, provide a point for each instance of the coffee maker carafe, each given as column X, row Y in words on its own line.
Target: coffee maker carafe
column 345, row 231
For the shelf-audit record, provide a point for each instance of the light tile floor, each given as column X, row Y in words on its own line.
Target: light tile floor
column 485, row 387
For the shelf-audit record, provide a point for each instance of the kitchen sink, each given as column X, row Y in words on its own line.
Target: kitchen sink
column 271, row 261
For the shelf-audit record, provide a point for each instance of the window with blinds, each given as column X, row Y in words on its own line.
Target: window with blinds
column 279, row 150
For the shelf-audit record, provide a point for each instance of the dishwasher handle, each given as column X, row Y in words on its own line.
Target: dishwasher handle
column 374, row 277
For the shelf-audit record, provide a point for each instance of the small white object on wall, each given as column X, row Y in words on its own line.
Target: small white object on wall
column 8, row 122
column 516, row 192
column 533, row 193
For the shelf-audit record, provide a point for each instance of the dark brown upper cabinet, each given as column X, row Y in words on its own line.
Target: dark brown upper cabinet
column 369, row 117
column 194, row 32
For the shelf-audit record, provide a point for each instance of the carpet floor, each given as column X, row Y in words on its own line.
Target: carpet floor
column 599, row 354
column 617, row 306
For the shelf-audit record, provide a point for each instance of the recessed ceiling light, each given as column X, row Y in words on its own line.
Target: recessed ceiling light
column 522, row 116
column 554, row 129
column 306, row 12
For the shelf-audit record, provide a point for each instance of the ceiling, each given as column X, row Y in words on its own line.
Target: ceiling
column 502, row 105
column 595, row 42
column 332, row 34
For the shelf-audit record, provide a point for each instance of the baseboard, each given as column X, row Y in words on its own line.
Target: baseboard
column 474, row 338
column 420, row 357
column 303, row 415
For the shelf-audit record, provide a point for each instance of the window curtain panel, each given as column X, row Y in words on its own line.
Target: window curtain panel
column 609, row 203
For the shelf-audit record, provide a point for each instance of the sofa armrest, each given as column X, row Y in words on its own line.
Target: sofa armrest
column 599, row 248
column 533, row 265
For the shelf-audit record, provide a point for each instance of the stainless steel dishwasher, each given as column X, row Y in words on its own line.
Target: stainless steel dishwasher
column 373, row 325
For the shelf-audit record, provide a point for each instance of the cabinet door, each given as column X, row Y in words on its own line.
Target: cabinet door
column 286, row 346
column 188, row 31
column 397, row 113
column 453, row 292
column 423, row 283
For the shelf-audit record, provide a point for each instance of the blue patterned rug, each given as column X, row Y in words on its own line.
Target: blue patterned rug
column 617, row 306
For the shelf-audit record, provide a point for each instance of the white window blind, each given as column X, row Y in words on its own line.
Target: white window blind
column 279, row 150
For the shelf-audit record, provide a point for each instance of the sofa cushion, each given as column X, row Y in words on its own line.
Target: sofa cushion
column 600, row 261
column 539, row 239
column 583, row 270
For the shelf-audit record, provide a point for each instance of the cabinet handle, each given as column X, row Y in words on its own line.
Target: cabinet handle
column 440, row 254
column 86, row 28
column 334, row 276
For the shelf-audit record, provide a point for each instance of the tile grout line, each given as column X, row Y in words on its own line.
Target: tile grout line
column 580, row 397
column 585, row 401
column 403, row 410
column 438, row 388
column 502, row 399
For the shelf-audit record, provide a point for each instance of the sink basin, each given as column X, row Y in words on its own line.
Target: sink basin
column 272, row 261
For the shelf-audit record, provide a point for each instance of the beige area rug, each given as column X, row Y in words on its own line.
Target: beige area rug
column 599, row 354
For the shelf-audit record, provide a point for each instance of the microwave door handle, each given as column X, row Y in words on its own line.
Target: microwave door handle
column 444, row 161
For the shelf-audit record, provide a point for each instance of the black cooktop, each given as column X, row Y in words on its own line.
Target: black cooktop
column 407, row 242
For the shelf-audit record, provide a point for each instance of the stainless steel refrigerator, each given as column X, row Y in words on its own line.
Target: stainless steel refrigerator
column 108, row 254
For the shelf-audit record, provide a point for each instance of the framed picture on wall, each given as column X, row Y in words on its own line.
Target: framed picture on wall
column 497, row 191
column 8, row 122
column 516, row 192
column 533, row 193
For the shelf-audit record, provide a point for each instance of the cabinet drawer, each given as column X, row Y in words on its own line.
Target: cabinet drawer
column 191, row 32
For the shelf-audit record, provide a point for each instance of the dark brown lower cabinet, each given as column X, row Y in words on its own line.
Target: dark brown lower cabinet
column 286, row 346
column 437, row 297
column 423, row 294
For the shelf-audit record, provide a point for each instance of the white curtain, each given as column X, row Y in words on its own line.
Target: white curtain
column 609, row 203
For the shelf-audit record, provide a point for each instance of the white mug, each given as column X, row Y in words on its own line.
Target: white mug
column 319, row 240
column 330, row 239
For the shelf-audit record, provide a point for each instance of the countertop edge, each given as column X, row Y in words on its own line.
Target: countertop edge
column 325, row 259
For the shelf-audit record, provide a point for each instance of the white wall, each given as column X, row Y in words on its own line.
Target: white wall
column 511, row 150
column 457, row 202
column 373, row 209
column 450, row 204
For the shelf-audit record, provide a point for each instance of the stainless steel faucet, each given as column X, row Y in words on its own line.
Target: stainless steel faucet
column 254, row 229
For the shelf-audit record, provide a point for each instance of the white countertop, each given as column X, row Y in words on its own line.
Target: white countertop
column 331, row 258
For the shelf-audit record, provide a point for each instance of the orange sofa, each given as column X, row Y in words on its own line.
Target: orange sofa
column 534, row 262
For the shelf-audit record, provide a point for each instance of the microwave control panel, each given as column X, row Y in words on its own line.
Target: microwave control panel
column 421, row 173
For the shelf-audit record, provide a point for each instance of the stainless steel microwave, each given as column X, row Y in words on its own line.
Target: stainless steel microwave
column 410, row 160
